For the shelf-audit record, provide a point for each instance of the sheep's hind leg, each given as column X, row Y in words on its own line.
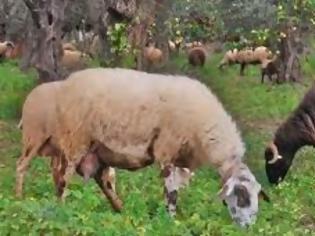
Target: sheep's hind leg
column 106, row 182
column 21, row 167
column 174, row 179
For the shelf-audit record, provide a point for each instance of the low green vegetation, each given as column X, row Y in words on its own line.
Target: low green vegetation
column 258, row 110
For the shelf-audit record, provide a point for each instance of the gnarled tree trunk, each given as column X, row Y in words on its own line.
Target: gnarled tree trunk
column 43, row 42
column 290, row 68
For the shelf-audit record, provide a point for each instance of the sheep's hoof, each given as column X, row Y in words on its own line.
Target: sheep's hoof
column 117, row 205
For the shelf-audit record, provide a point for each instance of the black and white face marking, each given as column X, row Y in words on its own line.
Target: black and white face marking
column 241, row 197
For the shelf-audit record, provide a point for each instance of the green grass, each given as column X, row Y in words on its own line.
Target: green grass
column 258, row 110
column 14, row 86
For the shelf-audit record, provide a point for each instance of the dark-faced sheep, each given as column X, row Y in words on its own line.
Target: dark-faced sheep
column 197, row 56
column 270, row 68
column 38, row 124
column 143, row 118
column 245, row 57
column 297, row 131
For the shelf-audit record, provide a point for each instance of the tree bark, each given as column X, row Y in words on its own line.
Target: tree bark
column 290, row 68
column 162, row 9
column 43, row 42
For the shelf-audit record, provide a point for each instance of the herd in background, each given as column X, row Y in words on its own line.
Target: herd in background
column 74, row 59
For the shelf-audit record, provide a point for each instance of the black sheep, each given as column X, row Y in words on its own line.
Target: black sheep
column 297, row 131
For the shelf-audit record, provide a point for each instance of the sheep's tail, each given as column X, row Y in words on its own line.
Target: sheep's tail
column 20, row 124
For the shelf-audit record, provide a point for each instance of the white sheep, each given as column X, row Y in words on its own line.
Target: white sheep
column 39, row 124
column 246, row 56
column 140, row 119
column 5, row 48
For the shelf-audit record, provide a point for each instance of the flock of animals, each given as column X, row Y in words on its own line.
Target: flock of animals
column 129, row 119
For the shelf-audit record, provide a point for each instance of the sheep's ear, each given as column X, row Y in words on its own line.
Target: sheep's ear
column 225, row 191
column 262, row 195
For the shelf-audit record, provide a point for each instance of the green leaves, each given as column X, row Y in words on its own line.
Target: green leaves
column 118, row 37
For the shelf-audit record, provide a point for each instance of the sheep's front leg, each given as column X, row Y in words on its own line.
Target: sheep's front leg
column 174, row 179
column 105, row 178
column 243, row 65
column 58, row 166
column 262, row 76
column 171, row 186
column 68, row 173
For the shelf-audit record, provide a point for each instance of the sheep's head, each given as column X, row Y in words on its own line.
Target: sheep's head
column 9, row 44
column 276, row 165
column 241, row 193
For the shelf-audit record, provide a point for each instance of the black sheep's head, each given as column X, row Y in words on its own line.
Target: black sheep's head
column 276, row 164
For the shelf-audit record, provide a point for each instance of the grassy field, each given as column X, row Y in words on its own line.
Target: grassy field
column 258, row 110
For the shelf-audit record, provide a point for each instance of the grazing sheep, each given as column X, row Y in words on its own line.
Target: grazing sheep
column 38, row 124
column 153, row 55
column 139, row 119
column 193, row 44
column 69, row 47
column 246, row 56
column 297, row 131
column 197, row 56
column 17, row 51
column 5, row 48
column 171, row 45
column 74, row 60
column 270, row 68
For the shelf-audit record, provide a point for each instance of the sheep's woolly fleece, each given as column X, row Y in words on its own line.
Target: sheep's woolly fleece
column 124, row 109
column 40, row 122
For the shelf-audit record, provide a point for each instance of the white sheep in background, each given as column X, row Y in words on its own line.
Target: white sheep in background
column 39, row 124
column 139, row 119
column 5, row 48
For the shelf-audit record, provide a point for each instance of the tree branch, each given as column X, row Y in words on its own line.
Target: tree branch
column 34, row 12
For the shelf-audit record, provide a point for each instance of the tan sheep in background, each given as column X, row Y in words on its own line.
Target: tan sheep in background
column 69, row 47
column 38, row 125
column 153, row 55
column 246, row 56
column 74, row 60
column 141, row 119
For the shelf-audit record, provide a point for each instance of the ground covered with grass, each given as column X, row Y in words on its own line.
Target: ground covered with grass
column 258, row 110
